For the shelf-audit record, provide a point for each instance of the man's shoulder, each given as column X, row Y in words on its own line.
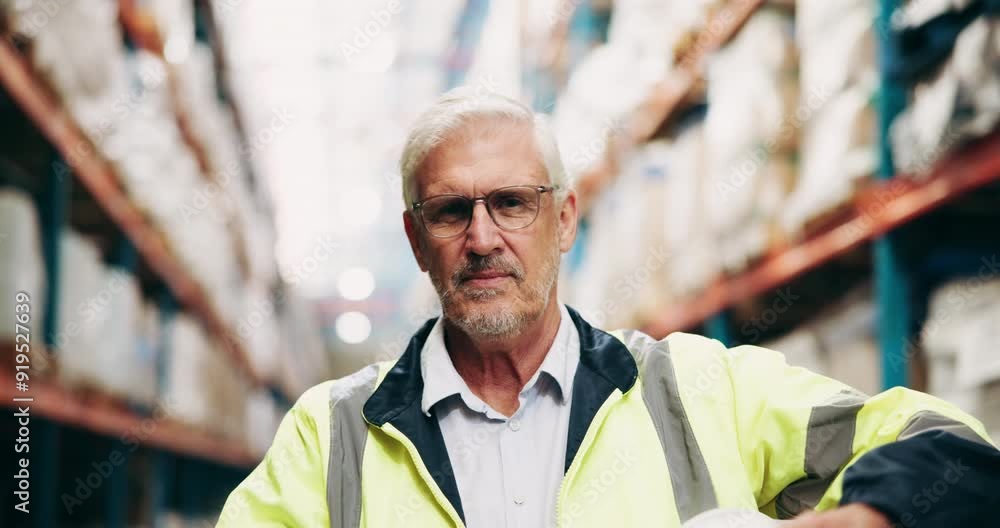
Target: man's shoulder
column 643, row 345
column 356, row 386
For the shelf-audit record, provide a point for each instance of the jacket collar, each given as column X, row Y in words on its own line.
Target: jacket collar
column 605, row 365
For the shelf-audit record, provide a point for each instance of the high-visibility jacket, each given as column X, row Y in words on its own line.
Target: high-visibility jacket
column 659, row 431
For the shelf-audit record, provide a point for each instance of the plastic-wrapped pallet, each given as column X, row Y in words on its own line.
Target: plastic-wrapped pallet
column 146, row 144
column 201, row 385
column 836, row 115
column 77, row 46
column 22, row 268
column 258, row 329
column 752, row 94
column 956, row 102
column 606, row 86
column 78, row 337
column 605, row 290
column 655, row 29
column 304, row 359
column 117, row 364
column 959, row 336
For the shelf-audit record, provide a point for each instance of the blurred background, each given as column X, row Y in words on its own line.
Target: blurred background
column 201, row 202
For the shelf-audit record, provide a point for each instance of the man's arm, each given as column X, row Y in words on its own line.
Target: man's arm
column 288, row 488
column 813, row 443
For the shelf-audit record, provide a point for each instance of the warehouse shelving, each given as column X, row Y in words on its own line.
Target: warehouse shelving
column 873, row 216
column 875, row 211
column 109, row 417
column 99, row 177
column 666, row 96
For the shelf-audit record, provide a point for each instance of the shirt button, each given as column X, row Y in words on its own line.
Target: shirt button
column 519, row 500
column 515, row 425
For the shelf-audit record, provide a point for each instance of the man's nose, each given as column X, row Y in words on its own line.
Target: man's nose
column 483, row 236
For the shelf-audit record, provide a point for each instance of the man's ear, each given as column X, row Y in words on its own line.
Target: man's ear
column 413, row 235
column 567, row 222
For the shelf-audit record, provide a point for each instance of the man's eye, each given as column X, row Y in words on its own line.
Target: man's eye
column 509, row 202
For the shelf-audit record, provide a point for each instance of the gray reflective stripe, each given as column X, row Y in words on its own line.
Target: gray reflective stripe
column 925, row 421
column 689, row 476
column 829, row 446
column 348, row 433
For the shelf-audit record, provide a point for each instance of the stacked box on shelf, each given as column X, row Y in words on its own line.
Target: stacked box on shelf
column 960, row 337
column 750, row 136
column 101, row 326
column 76, row 47
column 602, row 288
column 22, row 268
column 954, row 84
column 304, row 358
column 610, row 83
column 836, row 113
column 200, row 387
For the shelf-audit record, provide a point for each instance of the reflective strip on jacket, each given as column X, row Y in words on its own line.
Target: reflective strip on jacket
column 659, row 432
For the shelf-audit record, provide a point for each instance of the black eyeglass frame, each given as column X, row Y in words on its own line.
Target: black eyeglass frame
column 540, row 189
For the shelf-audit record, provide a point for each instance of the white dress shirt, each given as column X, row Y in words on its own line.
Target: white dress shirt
column 508, row 469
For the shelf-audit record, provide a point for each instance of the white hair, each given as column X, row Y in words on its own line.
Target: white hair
column 455, row 109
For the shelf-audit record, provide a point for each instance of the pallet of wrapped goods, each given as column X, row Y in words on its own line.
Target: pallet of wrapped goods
column 82, row 299
column 77, row 48
column 606, row 289
column 752, row 99
column 258, row 329
column 836, row 117
column 145, row 145
column 22, row 267
column 200, row 385
column 657, row 29
column 953, row 102
column 589, row 117
column 304, row 358
column 691, row 259
column 958, row 337
column 118, row 365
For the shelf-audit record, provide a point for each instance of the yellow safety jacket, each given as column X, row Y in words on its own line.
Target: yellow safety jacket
column 659, row 432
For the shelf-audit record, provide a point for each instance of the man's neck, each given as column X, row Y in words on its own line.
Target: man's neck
column 497, row 370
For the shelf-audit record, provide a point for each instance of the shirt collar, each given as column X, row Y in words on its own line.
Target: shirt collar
column 442, row 381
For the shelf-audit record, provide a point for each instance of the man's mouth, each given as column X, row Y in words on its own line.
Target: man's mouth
column 485, row 279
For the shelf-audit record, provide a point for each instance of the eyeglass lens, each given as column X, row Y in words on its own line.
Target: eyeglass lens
column 510, row 208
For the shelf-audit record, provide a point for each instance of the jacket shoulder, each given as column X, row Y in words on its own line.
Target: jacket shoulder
column 321, row 398
column 643, row 346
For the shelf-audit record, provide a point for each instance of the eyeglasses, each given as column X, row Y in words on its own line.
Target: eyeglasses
column 511, row 208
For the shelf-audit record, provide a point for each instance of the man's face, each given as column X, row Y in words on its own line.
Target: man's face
column 491, row 282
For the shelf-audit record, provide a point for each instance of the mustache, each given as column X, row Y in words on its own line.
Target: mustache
column 477, row 264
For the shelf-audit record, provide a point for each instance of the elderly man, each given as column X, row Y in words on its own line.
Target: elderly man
column 511, row 410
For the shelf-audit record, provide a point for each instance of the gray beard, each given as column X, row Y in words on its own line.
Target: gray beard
column 494, row 324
